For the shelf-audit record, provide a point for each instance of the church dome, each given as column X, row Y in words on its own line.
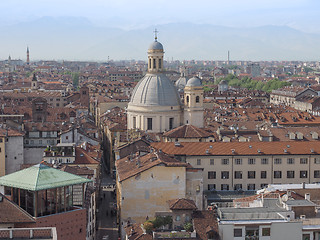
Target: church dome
column 155, row 90
column 194, row 82
column 181, row 83
column 155, row 46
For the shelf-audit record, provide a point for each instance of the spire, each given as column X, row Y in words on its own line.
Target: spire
column 155, row 34
column 28, row 59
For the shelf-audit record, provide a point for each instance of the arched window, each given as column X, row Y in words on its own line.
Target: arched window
column 187, row 99
column 159, row 63
column 197, row 99
column 149, row 63
column 154, row 63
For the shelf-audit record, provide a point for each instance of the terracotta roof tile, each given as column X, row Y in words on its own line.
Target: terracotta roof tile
column 83, row 157
column 182, row 204
column 134, row 232
column 187, row 131
column 12, row 213
column 205, row 222
column 238, row 148
column 128, row 167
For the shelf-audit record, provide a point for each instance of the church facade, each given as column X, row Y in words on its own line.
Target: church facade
column 155, row 105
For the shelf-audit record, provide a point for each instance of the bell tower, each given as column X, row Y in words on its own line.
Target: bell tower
column 34, row 82
column 193, row 102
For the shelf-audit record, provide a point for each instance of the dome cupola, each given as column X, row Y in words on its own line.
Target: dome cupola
column 155, row 56
column 155, row 102
column 194, row 82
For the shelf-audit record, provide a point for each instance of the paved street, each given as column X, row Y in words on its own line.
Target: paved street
column 107, row 221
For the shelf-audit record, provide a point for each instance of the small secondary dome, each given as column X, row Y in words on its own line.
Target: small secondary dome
column 155, row 46
column 181, row 82
column 194, row 82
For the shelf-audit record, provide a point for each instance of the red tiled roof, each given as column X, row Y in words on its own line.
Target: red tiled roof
column 127, row 167
column 134, row 231
column 182, row 204
column 12, row 213
column 83, row 157
column 187, row 131
column 10, row 133
column 205, row 222
column 82, row 171
column 238, row 148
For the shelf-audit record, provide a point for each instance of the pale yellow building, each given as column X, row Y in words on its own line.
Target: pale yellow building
column 193, row 102
column 146, row 183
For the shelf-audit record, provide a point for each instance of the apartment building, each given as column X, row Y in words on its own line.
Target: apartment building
column 303, row 99
column 248, row 165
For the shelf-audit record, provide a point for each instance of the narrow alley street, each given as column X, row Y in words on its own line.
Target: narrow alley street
column 106, row 215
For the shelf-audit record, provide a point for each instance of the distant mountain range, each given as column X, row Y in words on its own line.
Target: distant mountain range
column 74, row 38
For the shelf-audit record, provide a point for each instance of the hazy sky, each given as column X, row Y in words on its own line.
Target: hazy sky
column 53, row 28
column 301, row 14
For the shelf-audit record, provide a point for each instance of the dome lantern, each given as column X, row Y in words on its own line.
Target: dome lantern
column 155, row 56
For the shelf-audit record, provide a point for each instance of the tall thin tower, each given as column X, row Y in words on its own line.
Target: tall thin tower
column 28, row 60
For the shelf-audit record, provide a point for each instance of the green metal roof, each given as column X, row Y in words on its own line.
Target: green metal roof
column 40, row 177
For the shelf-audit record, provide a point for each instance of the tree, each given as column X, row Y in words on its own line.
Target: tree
column 75, row 79
column 188, row 227
column 307, row 69
column 160, row 221
column 148, row 226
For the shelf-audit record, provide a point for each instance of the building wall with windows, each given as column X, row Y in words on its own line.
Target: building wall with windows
column 159, row 120
column 267, row 231
column 249, row 166
column 254, row 172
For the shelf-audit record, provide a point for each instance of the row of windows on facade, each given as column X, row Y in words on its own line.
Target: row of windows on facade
column 264, row 161
column 197, row 99
column 154, row 63
column 225, row 187
column 43, row 133
column 263, row 174
column 250, row 232
column 149, row 123
column 40, row 142
column 60, row 160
